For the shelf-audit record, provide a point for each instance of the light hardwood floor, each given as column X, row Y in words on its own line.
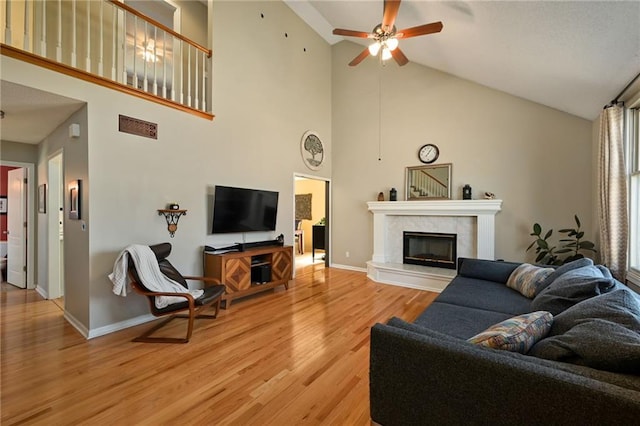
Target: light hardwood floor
column 286, row 357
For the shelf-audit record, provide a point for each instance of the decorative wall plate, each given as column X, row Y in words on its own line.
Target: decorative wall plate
column 312, row 150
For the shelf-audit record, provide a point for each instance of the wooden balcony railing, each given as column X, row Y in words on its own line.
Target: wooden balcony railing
column 111, row 44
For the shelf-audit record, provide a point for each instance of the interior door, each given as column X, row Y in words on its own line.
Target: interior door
column 16, row 227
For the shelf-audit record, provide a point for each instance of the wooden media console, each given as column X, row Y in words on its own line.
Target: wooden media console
column 250, row 271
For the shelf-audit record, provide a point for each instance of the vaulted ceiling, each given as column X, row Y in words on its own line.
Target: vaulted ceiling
column 575, row 56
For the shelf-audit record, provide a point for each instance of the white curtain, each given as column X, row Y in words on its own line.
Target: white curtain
column 612, row 183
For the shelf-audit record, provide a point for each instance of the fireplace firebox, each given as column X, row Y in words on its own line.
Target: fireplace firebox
column 430, row 249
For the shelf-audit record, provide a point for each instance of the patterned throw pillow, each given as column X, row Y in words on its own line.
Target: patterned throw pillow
column 527, row 278
column 517, row 334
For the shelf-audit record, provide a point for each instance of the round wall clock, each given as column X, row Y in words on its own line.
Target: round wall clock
column 428, row 153
column 312, row 150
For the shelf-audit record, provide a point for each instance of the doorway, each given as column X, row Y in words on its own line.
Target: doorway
column 311, row 222
column 16, row 223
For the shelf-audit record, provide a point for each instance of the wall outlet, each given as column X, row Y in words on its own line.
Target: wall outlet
column 346, row 254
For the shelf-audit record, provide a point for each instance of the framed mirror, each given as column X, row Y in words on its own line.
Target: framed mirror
column 431, row 182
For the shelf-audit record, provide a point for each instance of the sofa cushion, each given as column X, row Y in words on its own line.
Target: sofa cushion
column 526, row 279
column 572, row 287
column 400, row 323
column 602, row 332
column 486, row 295
column 517, row 334
column 489, row 270
column 458, row 321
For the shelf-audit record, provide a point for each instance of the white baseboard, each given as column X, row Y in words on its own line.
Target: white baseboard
column 42, row 292
column 348, row 267
column 111, row 328
column 107, row 329
column 76, row 324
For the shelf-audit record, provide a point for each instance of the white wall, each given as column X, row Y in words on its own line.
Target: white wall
column 267, row 92
column 536, row 159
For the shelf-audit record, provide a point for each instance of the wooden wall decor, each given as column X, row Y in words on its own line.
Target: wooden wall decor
column 303, row 206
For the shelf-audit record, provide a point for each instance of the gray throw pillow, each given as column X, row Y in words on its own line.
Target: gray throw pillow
column 595, row 343
column 621, row 306
column 602, row 332
column 579, row 263
column 572, row 287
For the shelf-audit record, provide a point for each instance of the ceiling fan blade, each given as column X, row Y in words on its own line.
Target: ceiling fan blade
column 400, row 57
column 361, row 57
column 434, row 27
column 351, row 33
column 390, row 13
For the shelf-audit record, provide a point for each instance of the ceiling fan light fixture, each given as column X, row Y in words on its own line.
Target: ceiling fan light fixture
column 386, row 36
column 149, row 56
column 386, row 53
column 374, row 48
column 392, row 43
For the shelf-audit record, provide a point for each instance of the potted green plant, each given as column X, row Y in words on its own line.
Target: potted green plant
column 567, row 250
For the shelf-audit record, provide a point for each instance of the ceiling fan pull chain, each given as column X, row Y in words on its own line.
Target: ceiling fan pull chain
column 380, row 110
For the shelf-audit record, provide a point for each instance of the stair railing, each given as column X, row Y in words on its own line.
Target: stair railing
column 113, row 41
column 426, row 185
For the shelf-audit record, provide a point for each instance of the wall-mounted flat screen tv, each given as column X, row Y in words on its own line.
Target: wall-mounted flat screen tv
column 243, row 210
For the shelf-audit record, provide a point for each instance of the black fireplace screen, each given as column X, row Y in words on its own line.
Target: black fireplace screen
column 430, row 249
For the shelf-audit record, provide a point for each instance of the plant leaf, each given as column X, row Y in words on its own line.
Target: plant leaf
column 579, row 235
column 543, row 244
column 577, row 220
column 586, row 245
column 565, row 230
column 537, row 229
column 540, row 257
column 564, row 250
column 548, row 234
column 530, row 245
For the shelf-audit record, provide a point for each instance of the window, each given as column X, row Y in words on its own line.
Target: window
column 634, row 195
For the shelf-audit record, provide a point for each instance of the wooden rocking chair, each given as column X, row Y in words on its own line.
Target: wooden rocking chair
column 211, row 297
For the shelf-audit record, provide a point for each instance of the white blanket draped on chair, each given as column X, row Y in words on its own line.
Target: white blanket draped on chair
column 149, row 272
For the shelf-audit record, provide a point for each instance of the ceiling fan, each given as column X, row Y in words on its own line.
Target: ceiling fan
column 386, row 37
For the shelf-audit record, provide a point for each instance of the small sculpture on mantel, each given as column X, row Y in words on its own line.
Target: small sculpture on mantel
column 489, row 195
column 381, row 196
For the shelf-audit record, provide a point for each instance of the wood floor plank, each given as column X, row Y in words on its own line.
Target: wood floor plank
column 297, row 356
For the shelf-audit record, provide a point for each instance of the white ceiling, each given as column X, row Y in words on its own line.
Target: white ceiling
column 30, row 114
column 573, row 56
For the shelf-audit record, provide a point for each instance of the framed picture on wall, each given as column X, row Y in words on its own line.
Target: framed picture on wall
column 75, row 200
column 3, row 204
column 42, row 198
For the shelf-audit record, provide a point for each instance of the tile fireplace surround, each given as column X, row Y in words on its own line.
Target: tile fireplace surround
column 472, row 220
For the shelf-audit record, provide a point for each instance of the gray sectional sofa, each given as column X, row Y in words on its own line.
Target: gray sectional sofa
column 426, row 373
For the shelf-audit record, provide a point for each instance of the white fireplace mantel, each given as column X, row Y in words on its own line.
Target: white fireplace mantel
column 483, row 210
column 382, row 267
